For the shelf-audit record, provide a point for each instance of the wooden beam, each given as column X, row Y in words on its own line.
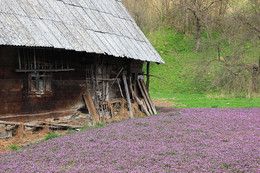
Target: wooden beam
column 92, row 109
column 156, row 76
column 148, row 96
column 43, row 70
column 128, row 97
column 148, row 76
column 139, row 102
column 144, row 96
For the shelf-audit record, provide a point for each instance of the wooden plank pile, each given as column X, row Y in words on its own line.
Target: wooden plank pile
column 130, row 90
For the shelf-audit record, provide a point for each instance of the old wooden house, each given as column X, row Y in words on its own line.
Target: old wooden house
column 61, row 56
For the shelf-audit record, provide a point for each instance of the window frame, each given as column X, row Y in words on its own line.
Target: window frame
column 46, row 89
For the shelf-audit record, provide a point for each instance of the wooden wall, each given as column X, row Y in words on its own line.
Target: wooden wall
column 67, row 87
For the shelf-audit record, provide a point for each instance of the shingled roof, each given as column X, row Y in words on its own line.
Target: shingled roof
column 93, row 26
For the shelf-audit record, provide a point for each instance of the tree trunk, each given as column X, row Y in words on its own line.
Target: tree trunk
column 255, row 76
column 198, row 36
column 186, row 31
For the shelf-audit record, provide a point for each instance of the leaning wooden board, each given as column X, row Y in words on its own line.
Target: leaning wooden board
column 148, row 96
column 91, row 108
column 145, row 98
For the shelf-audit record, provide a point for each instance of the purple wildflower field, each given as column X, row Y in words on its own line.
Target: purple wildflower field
column 186, row 140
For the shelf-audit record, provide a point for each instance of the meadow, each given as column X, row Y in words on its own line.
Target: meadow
column 176, row 140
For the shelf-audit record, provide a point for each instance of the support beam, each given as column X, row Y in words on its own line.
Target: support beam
column 147, row 76
column 128, row 97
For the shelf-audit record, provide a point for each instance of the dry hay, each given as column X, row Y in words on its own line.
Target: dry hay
column 124, row 113
column 165, row 103
column 22, row 137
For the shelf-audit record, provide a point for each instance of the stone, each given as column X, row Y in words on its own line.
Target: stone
column 2, row 131
column 9, row 127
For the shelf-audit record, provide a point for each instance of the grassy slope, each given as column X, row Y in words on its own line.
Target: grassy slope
column 179, row 72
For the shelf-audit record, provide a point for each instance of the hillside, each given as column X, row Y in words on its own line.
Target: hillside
column 180, row 72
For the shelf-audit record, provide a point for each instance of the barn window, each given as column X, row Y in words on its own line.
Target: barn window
column 40, row 64
column 39, row 83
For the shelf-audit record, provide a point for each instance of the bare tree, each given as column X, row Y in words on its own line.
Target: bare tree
column 200, row 10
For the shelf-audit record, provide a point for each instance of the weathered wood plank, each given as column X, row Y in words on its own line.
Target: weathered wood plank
column 128, row 97
column 139, row 102
column 145, row 98
column 90, row 105
column 148, row 96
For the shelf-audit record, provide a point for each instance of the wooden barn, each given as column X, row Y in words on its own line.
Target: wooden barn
column 58, row 57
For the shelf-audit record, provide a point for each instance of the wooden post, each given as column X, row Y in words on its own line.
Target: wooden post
column 148, row 76
column 19, row 59
column 128, row 97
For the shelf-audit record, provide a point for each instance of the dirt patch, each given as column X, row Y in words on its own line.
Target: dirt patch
column 23, row 138
column 166, row 103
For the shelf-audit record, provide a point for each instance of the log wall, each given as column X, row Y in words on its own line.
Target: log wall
column 67, row 87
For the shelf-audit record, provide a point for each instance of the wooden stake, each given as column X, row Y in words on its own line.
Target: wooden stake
column 128, row 96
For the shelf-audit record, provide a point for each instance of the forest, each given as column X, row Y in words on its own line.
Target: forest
column 216, row 43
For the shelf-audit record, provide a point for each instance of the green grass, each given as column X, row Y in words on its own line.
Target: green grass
column 180, row 72
column 210, row 100
column 177, row 51
column 51, row 136
column 14, row 147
